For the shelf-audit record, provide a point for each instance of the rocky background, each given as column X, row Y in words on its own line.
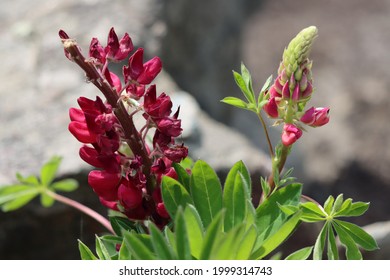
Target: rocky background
column 200, row 42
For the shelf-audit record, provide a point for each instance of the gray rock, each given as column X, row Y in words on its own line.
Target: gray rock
column 381, row 233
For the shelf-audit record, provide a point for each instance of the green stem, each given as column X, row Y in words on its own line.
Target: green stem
column 81, row 207
column 271, row 150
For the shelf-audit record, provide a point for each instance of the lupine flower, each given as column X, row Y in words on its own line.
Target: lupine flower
column 293, row 88
column 316, row 116
column 124, row 182
column 137, row 74
column 290, row 134
column 271, row 108
column 116, row 50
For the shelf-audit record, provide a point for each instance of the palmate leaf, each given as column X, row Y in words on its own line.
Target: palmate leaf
column 206, row 191
column 49, row 170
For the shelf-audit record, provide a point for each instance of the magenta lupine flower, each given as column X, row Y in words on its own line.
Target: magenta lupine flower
column 271, row 108
column 316, row 116
column 137, row 74
column 290, row 134
column 116, row 50
column 104, row 184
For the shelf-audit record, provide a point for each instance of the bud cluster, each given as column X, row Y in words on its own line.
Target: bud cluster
column 129, row 171
column 292, row 89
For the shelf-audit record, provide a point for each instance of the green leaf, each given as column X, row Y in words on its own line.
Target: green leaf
column 320, row 243
column 174, row 195
column 361, row 237
column 29, row 180
column 18, row 202
column 302, row 254
column 85, row 252
column 337, row 204
column 288, row 209
column 246, row 76
column 194, row 230
column 170, row 236
column 183, row 176
column 111, row 243
column 236, row 102
column 265, row 187
column 344, row 207
column 121, row 225
column 312, row 212
column 269, row 217
column 124, row 252
column 213, row 231
column 46, row 200
column 182, row 243
column 328, row 205
column 160, row 244
column 16, row 196
column 139, row 245
column 101, row 249
column 247, row 243
column 231, row 177
column 266, row 85
column 206, row 191
column 356, row 209
column 352, row 250
column 333, row 253
column 66, row 185
column 273, row 241
column 228, row 244
column 234, row 198
column 49, row 170
column 243, row 85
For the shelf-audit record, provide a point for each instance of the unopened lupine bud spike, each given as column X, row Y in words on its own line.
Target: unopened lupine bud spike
column 299, row 49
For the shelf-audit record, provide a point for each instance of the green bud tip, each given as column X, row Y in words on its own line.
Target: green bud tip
column 299, row 48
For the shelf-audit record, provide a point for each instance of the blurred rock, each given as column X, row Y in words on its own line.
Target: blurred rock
column 381, row 233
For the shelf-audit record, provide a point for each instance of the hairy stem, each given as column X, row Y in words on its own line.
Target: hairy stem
column 86, row 210
column 271, row 150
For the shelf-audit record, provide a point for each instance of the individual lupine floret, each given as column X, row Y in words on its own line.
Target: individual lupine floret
column 316, row 116
column 137, row 74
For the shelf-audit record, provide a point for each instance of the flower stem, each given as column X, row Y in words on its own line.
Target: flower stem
column 81, row 207
column 271, row 150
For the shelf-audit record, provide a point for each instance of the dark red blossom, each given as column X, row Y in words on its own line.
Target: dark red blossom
column 130, row 172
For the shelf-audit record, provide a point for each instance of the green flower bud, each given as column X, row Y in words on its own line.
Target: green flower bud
column 298, row 50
